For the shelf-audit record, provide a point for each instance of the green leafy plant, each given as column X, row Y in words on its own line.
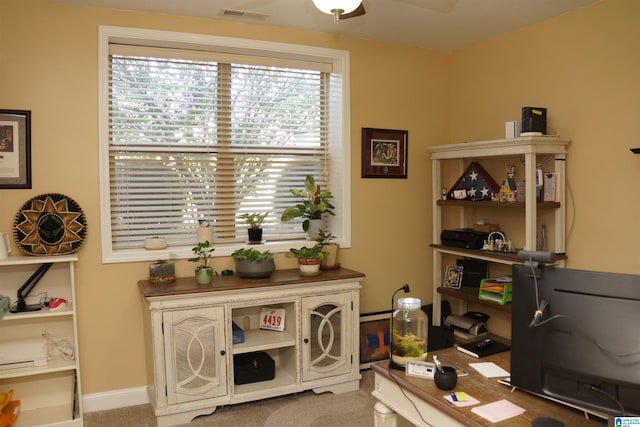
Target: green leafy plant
column 203, row 253
column 313, row 203
column 314, row 252
column 255, row 219
column 251, row 255
column 325, row 237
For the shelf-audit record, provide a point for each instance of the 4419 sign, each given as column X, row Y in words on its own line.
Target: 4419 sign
column 272, row 319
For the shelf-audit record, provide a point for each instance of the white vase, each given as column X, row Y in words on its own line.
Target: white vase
column 204, row 275
column 314, row 227
column 205, row 234
column 330, row 260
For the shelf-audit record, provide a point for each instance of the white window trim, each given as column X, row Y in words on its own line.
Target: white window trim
column 339, row 186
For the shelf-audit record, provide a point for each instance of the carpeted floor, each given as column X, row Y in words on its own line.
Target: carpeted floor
column 306, row 409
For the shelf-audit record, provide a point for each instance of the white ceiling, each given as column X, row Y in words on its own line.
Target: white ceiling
column 444, row 25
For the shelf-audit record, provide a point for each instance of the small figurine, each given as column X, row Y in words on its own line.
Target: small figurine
column 510, row 181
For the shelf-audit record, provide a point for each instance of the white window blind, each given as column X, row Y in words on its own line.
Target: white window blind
column 199, row 136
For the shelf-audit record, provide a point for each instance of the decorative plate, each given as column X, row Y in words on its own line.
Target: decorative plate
column 50, row 224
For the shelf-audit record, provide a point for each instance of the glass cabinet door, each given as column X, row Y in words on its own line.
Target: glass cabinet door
column 326, row 336
column 194, row 353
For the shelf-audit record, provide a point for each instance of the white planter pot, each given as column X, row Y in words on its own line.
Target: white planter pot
column 204, row 275
column 314, row 226
column 154, row 243
column 309, row 267
column 330, row 260
column 205, row 234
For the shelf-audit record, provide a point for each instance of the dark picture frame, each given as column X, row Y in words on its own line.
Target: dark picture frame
column 15, row 149
column 384, row 153
column 373, row 328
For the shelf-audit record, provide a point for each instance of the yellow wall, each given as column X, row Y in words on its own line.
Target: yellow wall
column 48, row 64
column 581, row 66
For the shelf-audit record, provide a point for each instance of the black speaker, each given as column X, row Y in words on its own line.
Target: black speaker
column 534, row 119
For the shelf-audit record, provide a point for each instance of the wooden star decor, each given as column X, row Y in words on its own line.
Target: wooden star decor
column 476, row 182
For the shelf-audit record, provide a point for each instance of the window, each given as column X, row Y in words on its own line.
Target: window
column 207, row 128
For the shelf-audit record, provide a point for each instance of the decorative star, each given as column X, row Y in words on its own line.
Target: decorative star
column 471, row 192
column 473, row 175
column 485, row 192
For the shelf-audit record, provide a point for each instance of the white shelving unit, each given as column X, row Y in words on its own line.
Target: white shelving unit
column 49, row 395
column 527, row 149
column 190, row 345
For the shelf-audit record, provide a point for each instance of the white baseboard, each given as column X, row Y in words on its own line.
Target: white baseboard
column 114, row 399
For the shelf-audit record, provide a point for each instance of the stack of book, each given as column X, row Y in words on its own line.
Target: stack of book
column 473, row 349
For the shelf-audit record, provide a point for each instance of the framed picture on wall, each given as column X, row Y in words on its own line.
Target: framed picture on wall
column 15, row 149
column 384, row 153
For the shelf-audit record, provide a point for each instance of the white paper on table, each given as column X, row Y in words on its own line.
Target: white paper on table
column 489, row 370
column 498, row 411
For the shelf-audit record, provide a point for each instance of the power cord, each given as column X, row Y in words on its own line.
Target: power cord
column 41, row 301
column 58, row 348
column 613, row 399
column 406, row 396
column 541, row 306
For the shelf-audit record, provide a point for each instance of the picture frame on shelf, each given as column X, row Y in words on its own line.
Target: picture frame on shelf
column 453, row 278
column 374, row 337
column 384, row 153
column 15, row 149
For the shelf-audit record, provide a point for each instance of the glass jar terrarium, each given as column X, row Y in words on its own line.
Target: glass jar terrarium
column 410, row 326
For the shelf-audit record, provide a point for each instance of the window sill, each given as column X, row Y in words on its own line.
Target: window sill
column 185, row 252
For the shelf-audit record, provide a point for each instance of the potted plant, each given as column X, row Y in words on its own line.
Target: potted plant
column 308, row 258
column 313, row 204
column 162, row 271
column 205, row 231
column 204, row 272
column 253, row 264
column 254, row 221
column 330, row 260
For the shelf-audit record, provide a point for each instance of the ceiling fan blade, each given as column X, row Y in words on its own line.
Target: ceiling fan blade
column 359, row 11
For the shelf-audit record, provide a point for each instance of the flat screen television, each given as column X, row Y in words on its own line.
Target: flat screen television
column 575, row 337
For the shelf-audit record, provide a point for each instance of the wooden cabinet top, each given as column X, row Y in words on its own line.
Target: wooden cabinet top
column 188, row 285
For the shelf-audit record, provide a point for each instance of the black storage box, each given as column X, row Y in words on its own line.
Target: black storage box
column 253, row 367
column 473, row 271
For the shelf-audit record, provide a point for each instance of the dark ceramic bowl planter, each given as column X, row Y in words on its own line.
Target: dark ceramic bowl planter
column 255, row 269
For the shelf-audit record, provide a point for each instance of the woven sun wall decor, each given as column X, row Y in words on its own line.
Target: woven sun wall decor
column 50, row 224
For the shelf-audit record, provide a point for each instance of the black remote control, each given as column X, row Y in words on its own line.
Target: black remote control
column 484, row 343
